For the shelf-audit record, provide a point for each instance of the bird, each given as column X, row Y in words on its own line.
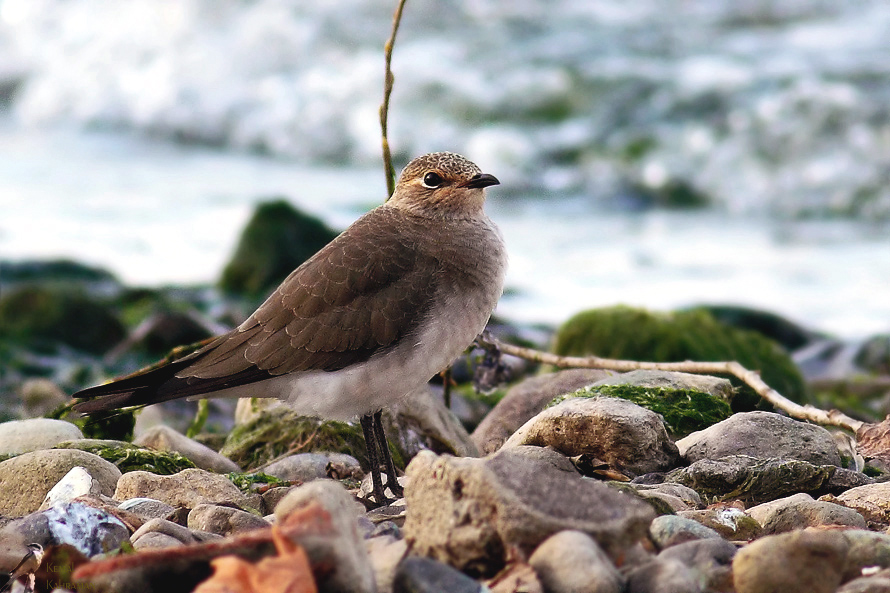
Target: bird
column 26, row 568
column 362, row 324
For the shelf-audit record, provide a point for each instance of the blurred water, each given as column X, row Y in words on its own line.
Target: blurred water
column 156, row 213
column 777, row 111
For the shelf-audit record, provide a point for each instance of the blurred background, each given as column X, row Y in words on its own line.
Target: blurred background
column 659, row 153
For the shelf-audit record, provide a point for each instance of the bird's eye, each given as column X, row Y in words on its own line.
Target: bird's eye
column 432, row 180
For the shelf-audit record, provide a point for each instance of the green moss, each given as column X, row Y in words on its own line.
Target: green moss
column 684, row 410
column 277, row 239
column 246, row 482
column 128, row 457
column 109, row 424
column 36, row 316
column 636, row 334
column 280, row 431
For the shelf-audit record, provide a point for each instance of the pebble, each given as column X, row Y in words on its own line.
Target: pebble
column 709, row 560
column 796, row 562
column 762, row 435
column 164, row 438
column 670, row 530
column 148, row 508
column 872, row 501
column 182, row 535
column 305, row 467
column 675, row 496
column 385, row 553
column 223, row 520
column 77, row 482
column 866, row 585
column 730, row 523
column 572, row 562
column 24, row 436
column 525, row 400
column 800, row 511
column 27, row 479
column 750, row 479
column 469, row 512
column 662, row 575
column 90, row 530
column 425, row 575
column 188, row 488
column 342, row 546
column 627, row 437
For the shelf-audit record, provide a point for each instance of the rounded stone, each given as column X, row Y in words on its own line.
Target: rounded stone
column 626, row 436
column 188, row 488
column 25, row 480
column 164, row 438
column 572, row 561
column 670, row 530
column 762, row 435
column 24, row 436
column 796, row 562
column 223, row 520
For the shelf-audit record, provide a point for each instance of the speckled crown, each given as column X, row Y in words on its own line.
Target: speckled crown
column 450, row 164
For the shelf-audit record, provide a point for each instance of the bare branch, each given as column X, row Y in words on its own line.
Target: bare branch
column 388, row 80
column 750, row 378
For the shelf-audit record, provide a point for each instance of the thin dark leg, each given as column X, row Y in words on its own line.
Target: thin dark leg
column 371, row 443
column 391, row 478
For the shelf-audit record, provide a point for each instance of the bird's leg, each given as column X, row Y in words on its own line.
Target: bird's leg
column 371, row 443
column 392, row 480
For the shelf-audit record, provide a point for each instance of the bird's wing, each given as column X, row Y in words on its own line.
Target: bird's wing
column 354, row 298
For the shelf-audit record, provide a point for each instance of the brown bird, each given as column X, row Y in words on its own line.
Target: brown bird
column 364, row 322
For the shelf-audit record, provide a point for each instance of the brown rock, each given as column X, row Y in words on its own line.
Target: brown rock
column 25, row 480
column 525, row 400
column 797, row 562
column 470, row 512
column 628, row 437
column 188, row 488
column 223, row 520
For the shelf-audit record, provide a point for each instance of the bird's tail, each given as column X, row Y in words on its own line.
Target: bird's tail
column 139, row 389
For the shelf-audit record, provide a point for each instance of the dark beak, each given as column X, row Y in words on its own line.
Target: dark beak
column 480, row 180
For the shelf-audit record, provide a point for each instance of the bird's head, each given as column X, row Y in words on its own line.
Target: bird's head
column 444, row 183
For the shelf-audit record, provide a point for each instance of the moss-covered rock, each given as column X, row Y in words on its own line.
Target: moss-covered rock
column 775, row 327
column 684, row 410
column 53, row 270
column 277, row 239
column 129, row 457
column 278, row 431
column 37, row 316
column 636, row 334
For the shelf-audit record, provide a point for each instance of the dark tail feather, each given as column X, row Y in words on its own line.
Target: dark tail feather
column 140, row 389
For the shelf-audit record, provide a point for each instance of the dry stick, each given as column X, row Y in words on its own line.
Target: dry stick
column 751, row 378
column 388, row 80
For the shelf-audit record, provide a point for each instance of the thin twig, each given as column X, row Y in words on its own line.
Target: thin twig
column 750, row 378
column 388, row 80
